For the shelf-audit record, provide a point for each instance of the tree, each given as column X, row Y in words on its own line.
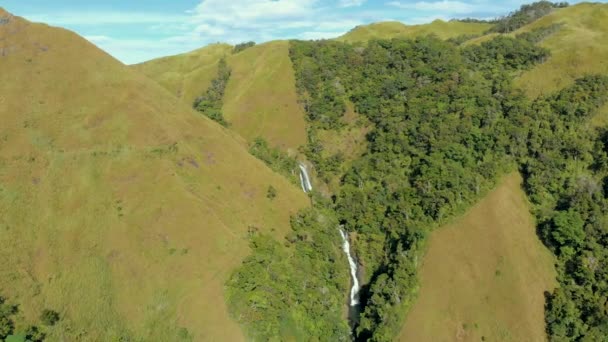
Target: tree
column 49, row 317
column 271, row 193
column 568, row 228
column 242, row 46
column 34, row 334
column 210, row 103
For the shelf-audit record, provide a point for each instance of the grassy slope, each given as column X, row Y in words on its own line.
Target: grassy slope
column 601, row 118
column 188, row 75
column 101, row 219
column 578, row 48
column 260, row 98
column 394, row 29
column 484, row 275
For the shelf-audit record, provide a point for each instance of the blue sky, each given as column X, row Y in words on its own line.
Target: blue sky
column 135, row 31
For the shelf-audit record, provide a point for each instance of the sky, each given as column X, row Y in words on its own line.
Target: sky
column 136, row 31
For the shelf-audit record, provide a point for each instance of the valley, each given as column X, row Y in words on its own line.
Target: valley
column 431, row 182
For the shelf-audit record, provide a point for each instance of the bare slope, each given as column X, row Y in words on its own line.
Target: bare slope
column 484, row 275
column 120, row 207
column 394, row 29
column 260, row 98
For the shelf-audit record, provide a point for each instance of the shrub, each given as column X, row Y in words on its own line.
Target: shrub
column 272, row 192
column 49, row 317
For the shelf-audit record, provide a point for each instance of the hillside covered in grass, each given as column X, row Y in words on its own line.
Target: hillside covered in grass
column 394, row 29
column 122, row 209
column 466, row 163
column 484, row 276
column 260, row 98
column 577, row 48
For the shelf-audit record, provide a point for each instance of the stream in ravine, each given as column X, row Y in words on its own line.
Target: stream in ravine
column 353, row 302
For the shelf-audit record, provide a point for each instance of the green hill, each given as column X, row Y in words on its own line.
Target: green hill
column 578, row 48
column 186, row 76
column 260, row 99
column 121, row 208
column 395, row 29
column 484, row 275
column 136, row 217
column 254, row 103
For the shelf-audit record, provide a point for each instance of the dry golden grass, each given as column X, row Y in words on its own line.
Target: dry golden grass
column 484, row 275
column 261, row 98
column 188, row 75
column 579, row 48
column 120, row 207
column 394, row 29
column 600, row 119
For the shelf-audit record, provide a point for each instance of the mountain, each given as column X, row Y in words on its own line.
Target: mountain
column 186, row 76
column 121, row 208
column 496, row 290
column 577, row 48
column 260, row 98
column 395, row 29
column 469, row 177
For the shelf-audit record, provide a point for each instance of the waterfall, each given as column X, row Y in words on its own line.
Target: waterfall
column 304, row 179
column 354, row 290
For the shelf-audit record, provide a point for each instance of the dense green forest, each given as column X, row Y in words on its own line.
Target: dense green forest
column 447, row 123
column 210, row 103
column 439, row 144
column 565, row 167
column 293, row 290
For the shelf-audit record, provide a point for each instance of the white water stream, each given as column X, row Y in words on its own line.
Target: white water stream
column 304, row 179
column 354, row 290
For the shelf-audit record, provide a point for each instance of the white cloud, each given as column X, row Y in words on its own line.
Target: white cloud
column 351, row 3
column 206, row 29
column 246, row 12
column 87, row 18
column 439, row 6
column 261, row 20
column 137, row 36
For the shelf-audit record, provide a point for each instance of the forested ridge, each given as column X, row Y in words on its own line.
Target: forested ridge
column 447, row 124
column 438, row 145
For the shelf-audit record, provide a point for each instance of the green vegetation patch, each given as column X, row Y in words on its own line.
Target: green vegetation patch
column 210, row 104
column 295, row 290
column 13, row 328
column 242, row 46
column 446, row 125
column 276, row 159
column 525, row 15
